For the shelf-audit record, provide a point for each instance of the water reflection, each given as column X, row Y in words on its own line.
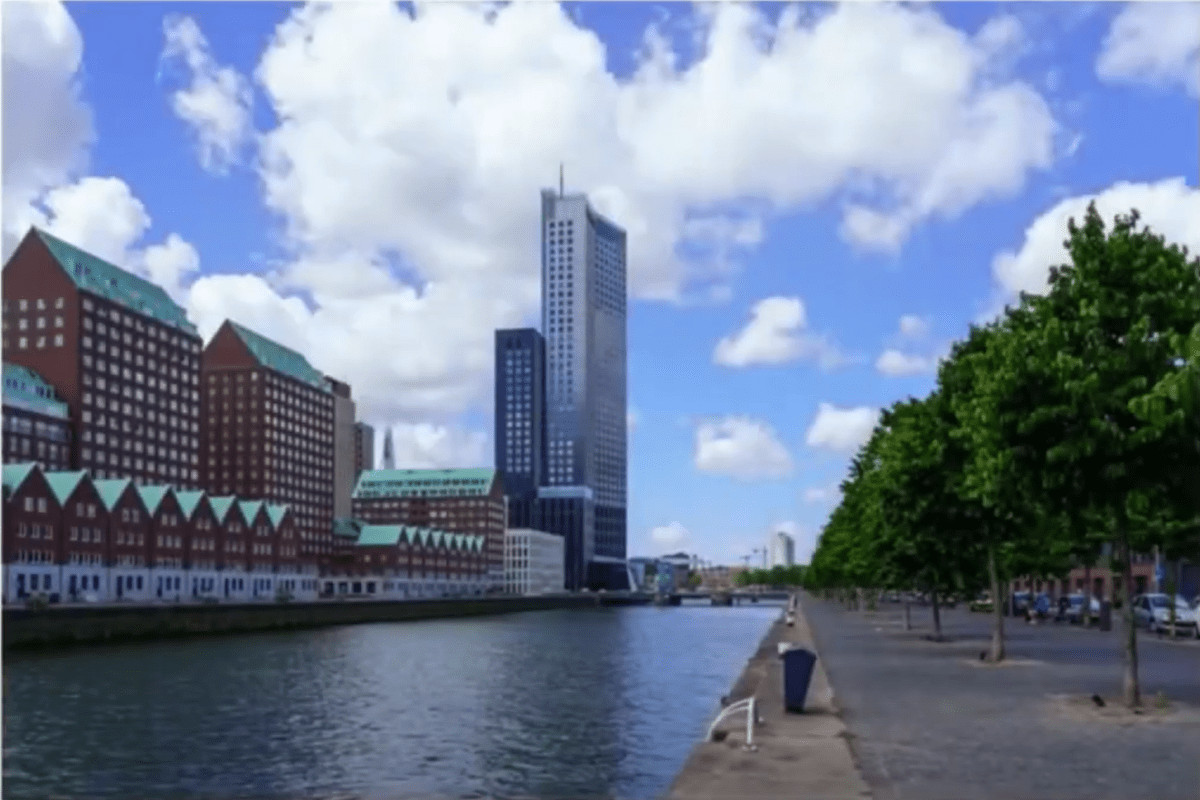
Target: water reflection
column 557, row 704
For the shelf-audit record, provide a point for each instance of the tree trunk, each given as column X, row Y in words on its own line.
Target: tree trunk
column 1087, row 595
column 937, row 616
column 907, row 614
column 1132, row 690
column 997, row 653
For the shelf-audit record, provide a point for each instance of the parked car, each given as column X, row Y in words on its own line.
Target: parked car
column 1020, row 600
column 1075, row 608
column 1154, row 611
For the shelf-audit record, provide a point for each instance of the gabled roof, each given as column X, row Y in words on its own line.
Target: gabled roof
column 379, row 535
column 110, row 490
column 273, row 355
column 64, row 483
column 250, row 509
column 25, row 389
column 221, row 507
column 95, row 275
column 153, row 496
column 276, row 513
column 15, row 474
column 189, row 502
column 375, row 483
column 347, row 528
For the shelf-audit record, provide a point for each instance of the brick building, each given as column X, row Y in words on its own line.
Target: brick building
column 118, row 351
column 345, row 446
column 37, row 425
column 68, row 537
column 469, row 501
column 405, row 561
column 364, row 449
column 268, row 431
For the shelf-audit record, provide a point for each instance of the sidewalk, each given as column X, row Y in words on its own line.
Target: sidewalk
column 799, row 755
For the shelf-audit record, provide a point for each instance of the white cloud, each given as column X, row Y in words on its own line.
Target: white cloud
column 776, row 334
column 896, row 364
column 631, row 420
column 741, row 448
column 914, row 327
column 816, row 495
column 47, row 127
column 671, row 536
column 1170, row 207
column 425, row 446
column 216, row 102
column 842, row 430
column 1154, row 43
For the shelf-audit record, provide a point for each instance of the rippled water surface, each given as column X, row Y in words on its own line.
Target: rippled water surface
column 555, row 704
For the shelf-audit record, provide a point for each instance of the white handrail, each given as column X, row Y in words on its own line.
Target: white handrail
column 747, row 705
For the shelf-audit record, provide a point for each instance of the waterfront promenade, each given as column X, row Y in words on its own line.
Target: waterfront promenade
column 797, row 756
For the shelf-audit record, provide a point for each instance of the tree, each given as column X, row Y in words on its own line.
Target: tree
column 1111, row 330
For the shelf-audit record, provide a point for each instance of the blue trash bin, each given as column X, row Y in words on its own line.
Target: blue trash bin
column 797, row 673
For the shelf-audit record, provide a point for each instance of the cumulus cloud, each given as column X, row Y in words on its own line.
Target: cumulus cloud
column 671, row 536
column 914, row 327
column 741, row 448
column 1156, row 44
column 816, row 495
column 426, row 446
column 47, row 126
column 841, row 430
column 776, row 334
column 1170, row 207
column 216, row 101
column 895, row 363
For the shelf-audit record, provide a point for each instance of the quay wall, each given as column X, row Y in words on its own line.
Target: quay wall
column 26, row 628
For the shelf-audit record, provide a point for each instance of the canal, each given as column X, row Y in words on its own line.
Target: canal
column 596, row 703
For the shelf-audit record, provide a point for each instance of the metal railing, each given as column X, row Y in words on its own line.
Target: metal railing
column 749, row 706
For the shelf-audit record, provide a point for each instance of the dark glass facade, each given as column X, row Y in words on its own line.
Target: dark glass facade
column 521, row 418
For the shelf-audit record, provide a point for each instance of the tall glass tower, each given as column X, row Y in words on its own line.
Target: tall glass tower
column 583, row 496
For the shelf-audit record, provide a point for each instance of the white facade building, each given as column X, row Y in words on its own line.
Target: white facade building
column 533, row 562
column 782, row 550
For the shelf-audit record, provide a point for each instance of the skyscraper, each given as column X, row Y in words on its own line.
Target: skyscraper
column 521, row 420
column 782, row 548
column 584, row 324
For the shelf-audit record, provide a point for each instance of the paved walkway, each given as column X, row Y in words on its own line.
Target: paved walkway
column 929, row 722
column 799, row 756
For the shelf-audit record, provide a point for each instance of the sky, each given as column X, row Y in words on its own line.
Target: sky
column 819, row 198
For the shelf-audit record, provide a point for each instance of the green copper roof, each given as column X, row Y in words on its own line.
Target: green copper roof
column 24, row 388
column 221, row 506
column 273, row 355
column 15, row 475
column 276, row 514
column 250, row 509
column 111, row 489
column 64, row 483
column 379, row 535
column 377, row 483
column 189, row 502
column 95, row 275
column 153, row 496
column 346, row 527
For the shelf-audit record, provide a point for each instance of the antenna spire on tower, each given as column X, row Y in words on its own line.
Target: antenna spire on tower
column 561, row 181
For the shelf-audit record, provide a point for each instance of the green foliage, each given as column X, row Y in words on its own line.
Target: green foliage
column 773, row 577
column 1067, row 428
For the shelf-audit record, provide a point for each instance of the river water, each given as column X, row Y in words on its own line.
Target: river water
column 596, row 703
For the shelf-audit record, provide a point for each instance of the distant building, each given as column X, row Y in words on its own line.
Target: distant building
column 118, row 351
column 268, row 429
column 37, row 426
column 533, row 562
column 345, row 446
column 677, row 565
column 364, row 448
column 782, row 550
column 389, row 451
column 520, row 435
column 642, row 571
column 469, row 501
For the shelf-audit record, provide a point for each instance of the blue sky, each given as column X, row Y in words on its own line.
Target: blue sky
column 361, row 183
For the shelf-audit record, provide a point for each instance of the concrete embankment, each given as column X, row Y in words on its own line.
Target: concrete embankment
column 57, row 626
column 798, row 755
